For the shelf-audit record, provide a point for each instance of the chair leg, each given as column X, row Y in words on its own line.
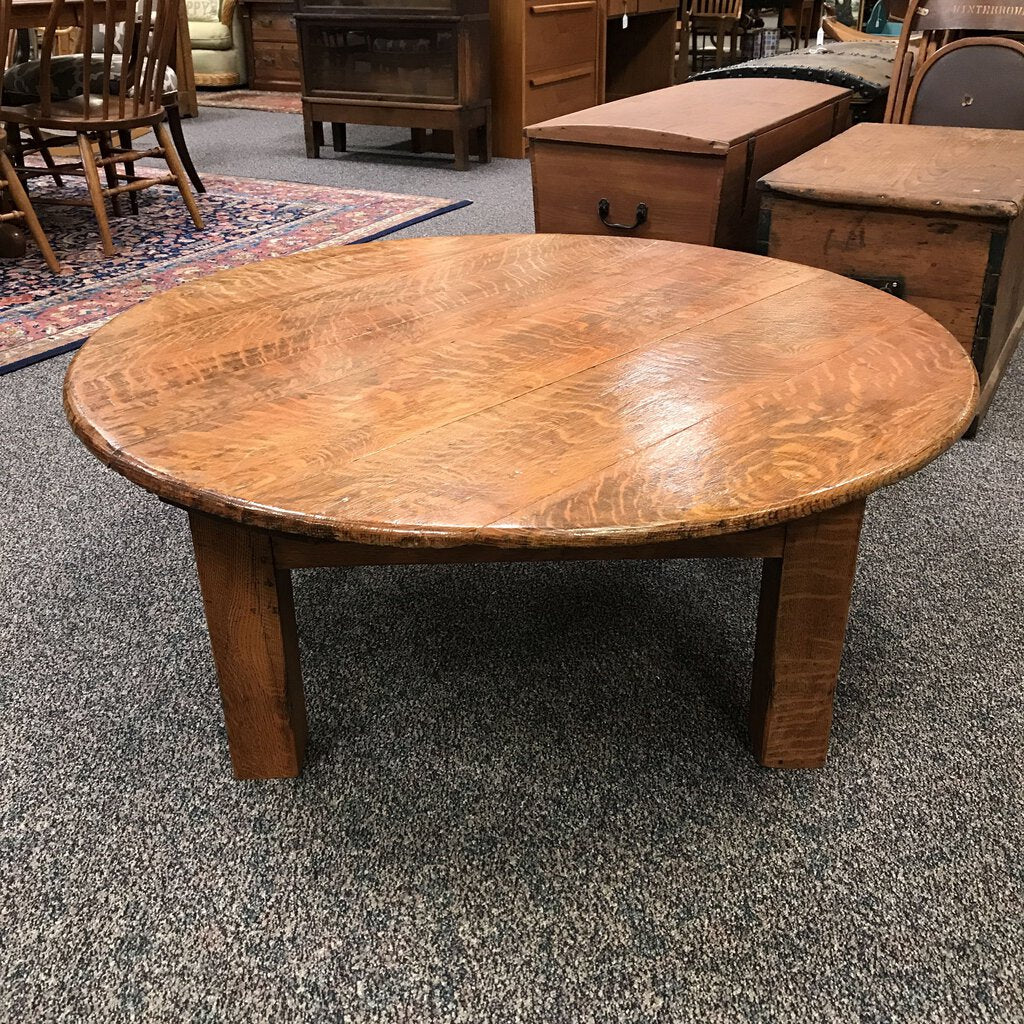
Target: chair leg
column 174, row 123
column 109, row 170
column 124, row 141
column 22, row 202
column 14, row 141
column 92, row 177
column 40, row 142
column 720, row 46
column 174, row 163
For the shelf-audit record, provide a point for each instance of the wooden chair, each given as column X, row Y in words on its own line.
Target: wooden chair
column 719, row 18
column 797, row 18
column 19, row 206
column 967, row 74
column 119, row 93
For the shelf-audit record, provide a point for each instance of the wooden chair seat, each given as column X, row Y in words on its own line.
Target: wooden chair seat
column 30, row 115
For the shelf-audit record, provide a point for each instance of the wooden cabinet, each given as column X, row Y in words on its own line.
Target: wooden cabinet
column 546, row 61
column 680, row 163
column 271, row 44
column 932, row 214
column 423, row 64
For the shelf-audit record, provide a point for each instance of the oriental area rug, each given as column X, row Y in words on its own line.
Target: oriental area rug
column 43, row 314
column 253, row 99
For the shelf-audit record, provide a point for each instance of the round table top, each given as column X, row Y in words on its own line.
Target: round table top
column 521, row 391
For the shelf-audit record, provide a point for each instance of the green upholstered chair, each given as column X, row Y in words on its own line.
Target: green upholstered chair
column 217, row 48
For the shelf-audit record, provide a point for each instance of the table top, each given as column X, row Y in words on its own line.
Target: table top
column 521, row 391
column 33, row 13
column 696, row 117
column 974, row 172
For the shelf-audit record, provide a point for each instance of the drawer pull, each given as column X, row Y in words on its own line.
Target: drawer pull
column 604, row 208
column 580, row 5
column 560, row 76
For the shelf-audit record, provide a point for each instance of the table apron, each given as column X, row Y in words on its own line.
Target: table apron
column 291, row 552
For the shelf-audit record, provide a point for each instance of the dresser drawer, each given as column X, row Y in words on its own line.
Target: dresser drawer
column 273, row 26
column 550, row 93
column 560, row 33
column 277, row 60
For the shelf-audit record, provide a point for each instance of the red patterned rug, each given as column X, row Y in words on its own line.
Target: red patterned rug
column 43, row 314
column 253, row 99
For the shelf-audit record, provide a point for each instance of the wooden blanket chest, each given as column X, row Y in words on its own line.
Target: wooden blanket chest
column 678, row 163
column 932, row 214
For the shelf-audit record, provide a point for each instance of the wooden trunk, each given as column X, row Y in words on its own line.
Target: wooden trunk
column 931, row 214
column 689, row 155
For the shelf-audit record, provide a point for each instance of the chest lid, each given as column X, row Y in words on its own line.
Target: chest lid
column 976, row 172
column 698, row 117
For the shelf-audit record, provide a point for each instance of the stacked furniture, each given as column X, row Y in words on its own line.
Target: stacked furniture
column 679, row 163
column 421, row 64
column 215, row 31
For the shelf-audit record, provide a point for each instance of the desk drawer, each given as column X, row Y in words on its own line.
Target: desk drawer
column 560, row 33
column 276, row 60
column 550, row 93
column 273, row 26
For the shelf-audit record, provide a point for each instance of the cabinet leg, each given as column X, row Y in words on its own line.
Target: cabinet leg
column 338, row 139
column 314, row 132
column 251, row 618
column 460, row 138
column 801, row 624
column 483, row 141
column 419, row 140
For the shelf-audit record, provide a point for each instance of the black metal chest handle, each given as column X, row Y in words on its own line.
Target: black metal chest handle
column 604, row 207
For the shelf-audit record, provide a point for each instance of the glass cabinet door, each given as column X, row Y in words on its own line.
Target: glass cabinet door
column 379, row 59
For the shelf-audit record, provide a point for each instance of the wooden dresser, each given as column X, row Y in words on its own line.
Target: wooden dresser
column 271, row 46
column 546, row 60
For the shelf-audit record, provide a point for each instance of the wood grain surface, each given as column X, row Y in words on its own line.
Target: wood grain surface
column 977, row 172
column 519, row 391
column 697, row 117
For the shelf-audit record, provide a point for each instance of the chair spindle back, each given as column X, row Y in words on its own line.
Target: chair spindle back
column 130, row 83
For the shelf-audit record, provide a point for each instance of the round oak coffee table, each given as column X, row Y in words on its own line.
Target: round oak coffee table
column 511, row 398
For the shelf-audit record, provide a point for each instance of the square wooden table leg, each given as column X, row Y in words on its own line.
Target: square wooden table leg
column 251, row 618
column 801, row 625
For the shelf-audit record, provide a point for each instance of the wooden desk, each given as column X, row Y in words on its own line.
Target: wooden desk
column 642, row 56
column 520, row 398
column 553, row 57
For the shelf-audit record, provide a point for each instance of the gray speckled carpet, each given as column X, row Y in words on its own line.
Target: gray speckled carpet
column 528, row 795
